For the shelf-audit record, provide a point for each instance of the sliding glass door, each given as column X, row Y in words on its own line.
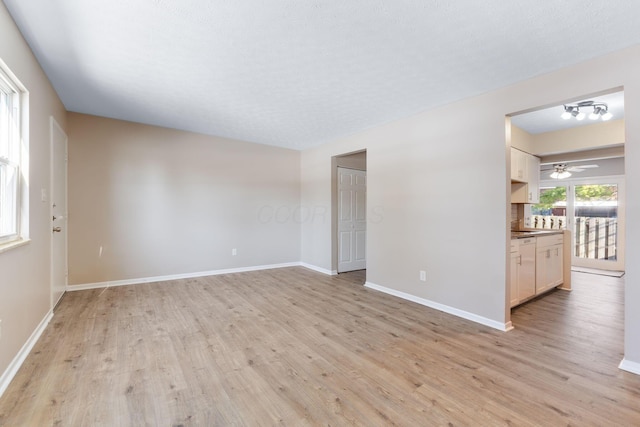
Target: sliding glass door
column 593, row 210
column 598, row 222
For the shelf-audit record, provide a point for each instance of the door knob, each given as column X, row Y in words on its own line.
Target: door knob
column 57, row 229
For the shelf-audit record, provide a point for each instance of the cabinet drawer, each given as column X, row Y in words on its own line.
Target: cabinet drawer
column 554, row 239
column 514, row 245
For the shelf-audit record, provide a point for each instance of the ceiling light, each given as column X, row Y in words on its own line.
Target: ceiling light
column 600, row 111
column 567, row 112
column 560, row 172
column 560, row 175
column 595, row 115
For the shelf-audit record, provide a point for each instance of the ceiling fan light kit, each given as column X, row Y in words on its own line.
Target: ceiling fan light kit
column 562, row 170
column 600, row 111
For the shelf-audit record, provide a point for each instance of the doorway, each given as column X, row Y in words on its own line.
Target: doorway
column 349, row 212
column 592, row 209
column 58, row 212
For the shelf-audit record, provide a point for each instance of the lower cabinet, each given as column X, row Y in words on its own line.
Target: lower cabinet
column 536, row 266
column 548, row 262
column 515, row 267
column 523, row 281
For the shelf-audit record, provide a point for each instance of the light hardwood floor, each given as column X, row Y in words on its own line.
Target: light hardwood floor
column 294, row 347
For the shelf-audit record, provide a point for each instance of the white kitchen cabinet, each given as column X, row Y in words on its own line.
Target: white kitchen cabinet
column 525, row 177
column 533, row 179
column 527, row 268
column 518, row 165
column 549, row 264
column 514, row 271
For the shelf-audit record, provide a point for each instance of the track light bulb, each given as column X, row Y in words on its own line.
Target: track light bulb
column 607, row 116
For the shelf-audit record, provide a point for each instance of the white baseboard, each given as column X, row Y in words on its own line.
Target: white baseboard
column 17, row 361
column 441, row 307
column 629, row 366
column 318, row 269
column 126, row 282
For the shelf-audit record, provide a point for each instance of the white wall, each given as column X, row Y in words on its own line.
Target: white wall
column 24, row 271
column 146, row 201
column 439, row 180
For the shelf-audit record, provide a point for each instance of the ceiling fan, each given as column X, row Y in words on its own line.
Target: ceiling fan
column 562, row 170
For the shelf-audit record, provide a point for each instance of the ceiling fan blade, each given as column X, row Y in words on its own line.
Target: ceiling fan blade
column 580, row 168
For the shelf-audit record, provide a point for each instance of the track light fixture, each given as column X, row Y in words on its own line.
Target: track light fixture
column 600, row 111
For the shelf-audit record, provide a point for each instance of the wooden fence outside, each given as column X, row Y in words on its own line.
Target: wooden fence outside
column 595, row 238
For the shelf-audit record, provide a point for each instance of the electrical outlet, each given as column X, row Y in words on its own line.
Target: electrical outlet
column 234, row 252
column 423, row 275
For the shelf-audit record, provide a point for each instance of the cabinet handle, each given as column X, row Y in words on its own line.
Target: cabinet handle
column 548, row 253
column 519, row 259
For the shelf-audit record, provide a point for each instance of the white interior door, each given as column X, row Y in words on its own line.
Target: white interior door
column 352, row 219
column 58, row 202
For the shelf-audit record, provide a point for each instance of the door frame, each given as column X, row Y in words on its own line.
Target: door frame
column 334, row 205
column 570, row 185
column 55, row 126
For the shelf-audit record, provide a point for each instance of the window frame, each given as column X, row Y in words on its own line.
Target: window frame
column 12, row 160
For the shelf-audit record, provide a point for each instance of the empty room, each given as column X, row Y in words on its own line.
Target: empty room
column 410, row 213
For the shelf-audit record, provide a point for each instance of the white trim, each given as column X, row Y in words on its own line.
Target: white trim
column 4, row 247
column 441, row 307
column 629, row 366
column 17, row 361
column 54, row 125
column 318, row 269
column 125, row 282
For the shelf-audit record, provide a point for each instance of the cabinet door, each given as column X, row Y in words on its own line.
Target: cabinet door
column 518, row 165
column 542, row 268
column 556, row 265
column 527, row 271
column 533, row 179
column 513, row 281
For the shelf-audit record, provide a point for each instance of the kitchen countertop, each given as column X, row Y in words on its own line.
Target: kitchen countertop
column 533, row 233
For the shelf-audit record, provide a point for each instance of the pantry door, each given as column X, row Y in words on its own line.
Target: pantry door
column 352, row 219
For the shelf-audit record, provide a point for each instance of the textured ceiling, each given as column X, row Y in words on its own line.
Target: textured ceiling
column 299, row 73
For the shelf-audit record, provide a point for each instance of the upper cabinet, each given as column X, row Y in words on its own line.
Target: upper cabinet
column 533, row 179
column 525, row 177
column 519, row 165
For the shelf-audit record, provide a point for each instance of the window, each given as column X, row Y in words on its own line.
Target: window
column 10, row 158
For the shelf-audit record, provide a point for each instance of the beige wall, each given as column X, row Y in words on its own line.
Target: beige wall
column 357, row 161
column 597, row 135
column 24, row 271
column 594, row 136
column 146, row 201
column 521, row 139
column 439, row 184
